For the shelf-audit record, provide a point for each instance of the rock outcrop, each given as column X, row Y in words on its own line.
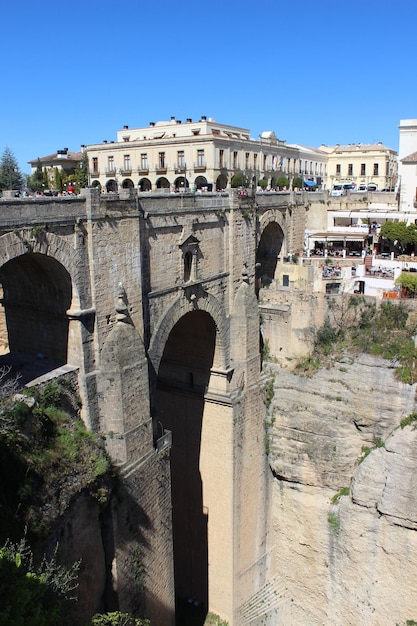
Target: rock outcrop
column 345, row 559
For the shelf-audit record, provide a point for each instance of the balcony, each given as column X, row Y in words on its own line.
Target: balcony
column 161, row 169
column 111, row 173
column 143, row 171
column 126, row 172
column 199, row 167
column 95, row 174
column 180, row 168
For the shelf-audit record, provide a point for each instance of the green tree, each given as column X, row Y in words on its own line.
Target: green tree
column 262, row 183
column 37, row 180
column 116, row 618
column 283, row 182
column 407, row 281
column 57, row 179
column 81, row 173
column 10, row 174
column 400, row 236
column 239, row 180
column 32, row 594
column 297, row 183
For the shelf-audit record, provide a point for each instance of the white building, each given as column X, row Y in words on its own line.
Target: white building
column 197, row 154
column 407, row 155
column 363, row 165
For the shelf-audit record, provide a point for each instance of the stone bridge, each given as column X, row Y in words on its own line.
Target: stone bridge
column 152, row 299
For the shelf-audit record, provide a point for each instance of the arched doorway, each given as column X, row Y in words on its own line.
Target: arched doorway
column 111, row 186
column 145, row 184
column 162, row 183
column 182, row 380
column 37, row 292
column 200, row 182
column 181, row 182
column 269, row 248
column 127, row 184
column 221, row 182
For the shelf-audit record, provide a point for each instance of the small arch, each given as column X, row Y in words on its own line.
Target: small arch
column 145, row 184
column 200, row 182
column 188, row 263
column 96, row 184
column 162, row 183
column 221, row 182
column 127, row 184
column 267, row 253
column 111, row 186
column 181, row 182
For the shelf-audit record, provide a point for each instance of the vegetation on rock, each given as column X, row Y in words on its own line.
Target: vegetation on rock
column 32, row 594
column 355, row 324
column 49, row 456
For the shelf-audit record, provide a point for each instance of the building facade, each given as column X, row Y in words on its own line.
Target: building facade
column 407, row 164
column 363, row 165
column 61, row 160
column 197, row 155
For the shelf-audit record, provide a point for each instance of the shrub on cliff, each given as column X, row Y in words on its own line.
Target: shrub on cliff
column 117, row 619
column 48, row 455
column 33, row 594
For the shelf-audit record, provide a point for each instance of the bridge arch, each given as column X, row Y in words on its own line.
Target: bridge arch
column 272, row 244
column 42, row 280
column 189, row 343
column 176, row 311
column 14, row 245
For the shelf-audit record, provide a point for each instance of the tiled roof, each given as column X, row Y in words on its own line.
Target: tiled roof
column 58, row 158
column 411, row 158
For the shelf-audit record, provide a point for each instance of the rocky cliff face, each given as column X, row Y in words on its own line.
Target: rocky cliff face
column 352, row 559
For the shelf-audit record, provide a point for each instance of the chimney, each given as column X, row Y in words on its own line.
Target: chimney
column 104, row 140
column 172, row 118
column 203, row 118
column 151, row 123
column 125, row 127
column 189, row 120
column 178, row 121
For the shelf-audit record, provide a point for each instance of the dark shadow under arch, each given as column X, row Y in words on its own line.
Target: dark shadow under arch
column 269, row 249
column 182, row 380
column 37, row 292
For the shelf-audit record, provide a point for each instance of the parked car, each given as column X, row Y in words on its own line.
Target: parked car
column 337, row 190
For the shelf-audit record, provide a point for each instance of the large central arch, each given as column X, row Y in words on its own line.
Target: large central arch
column 182, row 380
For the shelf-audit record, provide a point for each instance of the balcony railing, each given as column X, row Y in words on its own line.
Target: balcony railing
column 143, row 171
column 161, row 169
column 95, row 174
column 180, row 168
column 111, row 173
column 126, row 172
column 200, row 167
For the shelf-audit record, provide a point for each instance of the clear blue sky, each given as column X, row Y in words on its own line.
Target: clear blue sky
column 328, row 72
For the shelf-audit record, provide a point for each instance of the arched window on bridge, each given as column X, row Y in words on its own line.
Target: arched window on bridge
column 190, row 248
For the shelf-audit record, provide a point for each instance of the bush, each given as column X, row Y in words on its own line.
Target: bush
column 407, row 421
column 283, row 182
column 116, row 618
